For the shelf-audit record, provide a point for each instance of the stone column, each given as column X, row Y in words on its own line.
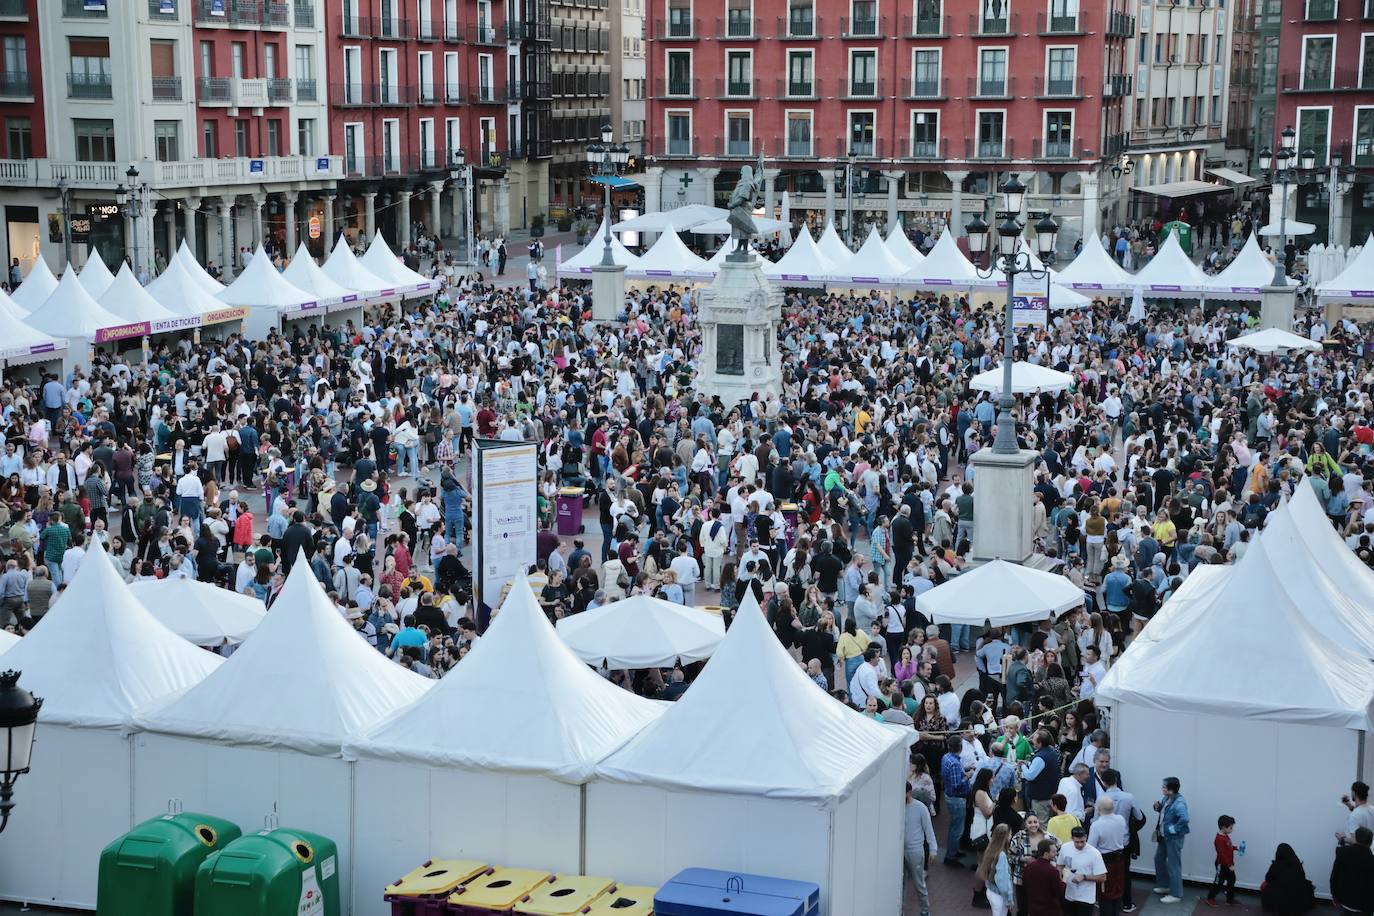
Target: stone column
column 653, row 189
column 226, row 236
column 259, row 201
column 170, row 215
column 369, row 216
column 707, row 179
column 403, row 220
column 500, row 199
column 436, row 216
column 893, row 183
column 828, row 182
column 328, row 223
column 289, row 198
column 770, row 177
column 956, row 205
column 456, row 227
column 1092, row 202
column 192, row 206
column 128, row 240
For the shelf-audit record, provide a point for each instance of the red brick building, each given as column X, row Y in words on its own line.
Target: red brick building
column 936, row 99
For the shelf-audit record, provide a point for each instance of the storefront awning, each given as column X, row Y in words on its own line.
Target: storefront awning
column 1232, row 176
column 1176, row 189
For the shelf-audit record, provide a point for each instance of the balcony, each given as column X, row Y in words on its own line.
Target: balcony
column 155, row 12
column 355, row 27
column 925, row 88
column 279, row 91
column 307, row 91
column 1054, row 149
column 862, row 27
column 917, row 148
column 305, row 15
column 1117, row 85
column 512, row 92
column 863, row 89
column 799, row 89
column 166, row 89
column 860, row 149
column 427, row 95
column 1320, row 10
column 1341, row 79
column 676, row 88
column 535, row 90
column 428, row 29
column 183, row 173
column 76, row 9
column 453, row 31
column 736, row 89
column 739, row 28
column 89, row 86
column 736, row 149
column 212, row 90
column 243, row 13
column 14, row 9
column 1006, row 24
column 360, row 95
column 798, row 27
column 484, row 34
column 1057, row 25
column 1120, row 25
column 989, row 149
column 16, row 84
column 248, row 93
column 925, row 26
column 1069, row 87
column 391, row 28
column 677, row 28
column 1003, row 88
column 371, row 166
column 487, row 94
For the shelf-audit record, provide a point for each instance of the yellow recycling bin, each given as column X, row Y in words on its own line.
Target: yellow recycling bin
column 425, row 891
column 564, row 895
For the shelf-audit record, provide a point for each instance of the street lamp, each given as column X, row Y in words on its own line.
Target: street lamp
column 63, row 193
column 1012, row 260
column 18, row 722
column 844, row 172
column 131, row 200
column 460, row 172
column 1123, row 166
column 1286, row 174
column 610, row 158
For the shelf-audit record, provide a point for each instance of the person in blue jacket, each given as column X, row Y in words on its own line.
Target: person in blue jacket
column 1171, row 828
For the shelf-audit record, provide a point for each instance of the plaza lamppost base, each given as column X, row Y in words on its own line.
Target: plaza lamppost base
column 1277, row 307
column 1003, row 513
column 608, row 291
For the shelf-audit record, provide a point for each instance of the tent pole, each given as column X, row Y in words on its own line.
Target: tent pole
column 582, row 827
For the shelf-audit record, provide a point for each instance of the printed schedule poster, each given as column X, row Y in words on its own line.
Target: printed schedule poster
column 506, row 513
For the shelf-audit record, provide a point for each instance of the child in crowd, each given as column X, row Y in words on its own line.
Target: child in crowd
column 1226, row 862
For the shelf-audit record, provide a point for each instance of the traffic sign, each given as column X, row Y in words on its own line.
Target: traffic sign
column 314, row 227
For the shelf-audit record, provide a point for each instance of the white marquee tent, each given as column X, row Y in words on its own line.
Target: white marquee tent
column 1250, row 271
column 1246, row 665
column 199, row 612
column 126, row 299
column 872, row 265
column 718, row 259
column 834, row 248
column 1095, row 269
column 1064, row 299
column 1171, row 271
column 1004, row 593
column 380, row 260
column 188, row 260
column 7, row 641
column 95, row 276
column 902, row 248
column 764, row 224
column 945, row 266
column 678, row 219
column 642, row 632
column 802, row 265
column 20, row 343
column 72, row 316
column 97, row 656
column 304, row 273
column 1313, row 532
column 267, row 295
column 1353, row 284
column 503, row 785
column 1025, row 378
column 669, row 258
column 1273, row 340
column 590, row 256
column 181, row 289
column 264, row 733
column 345, row 270
column 812, row 790
column 37, row 286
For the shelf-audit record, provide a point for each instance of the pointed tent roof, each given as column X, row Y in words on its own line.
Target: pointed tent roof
column 7, row 641
column 198, row 612
column 807, row 747
column 1062, row 298
column 270, row 693
column 127, row 299
column 1171, row 270
column 304, row 273
column 946, row 265
column 95, row 276
column 71, row 313
column 1313, row 532
column 1005, row 593
column 37, row 286
column 345, row 270
column 1273, row 340
column 188, row 260
column 669, row 257
column 180, row 289
column 380, row 260
column 1303, row 676
column 833, row 247
column 1025, row 378
column 558, row 718
column 804, row 262
column 590, row 255
column 260, row 286
column 16, row 337
column 1355, row 282
column 1094, row 268
column 98, row 655
column 872, row 264
column 1247, row 273
column 902, row 248
column 642, row 632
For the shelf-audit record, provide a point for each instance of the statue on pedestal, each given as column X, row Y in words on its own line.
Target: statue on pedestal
column 743, row 199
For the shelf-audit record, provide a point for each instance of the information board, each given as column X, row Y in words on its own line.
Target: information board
column 505, row 515
column 1030, row 311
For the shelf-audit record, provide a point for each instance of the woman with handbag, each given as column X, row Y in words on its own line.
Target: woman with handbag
column 994, row 870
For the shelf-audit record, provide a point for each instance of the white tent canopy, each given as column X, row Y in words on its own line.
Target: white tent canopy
column 907, row 254
column 260, row 286
column 1004, row 593
column 765, row 226
column 18, row 340
column 1273, row 340
column 1304, row 524
column 70, row 313
column 181, row 289
column 569, row 717
column 670, row 258
column 834, row 248
column 1170, row 271
column 1095, row 269
column 8, row 640
column 803, row 263
column 1137, row 312
column 1063, row 299
column 590, row 256
column 679, row 219
column 128, row 300
column 945, row 265
column 1025, row 379
column 37, row 286
column 199, row 612
column 304, row 273
column 1290, row 229
column 642, row 632
column 188, row 260
column 345, row 270
column 1353, row 284
column 1249, row 272
column 872, row 265
column 380, row 260
column 270, row 693
column 95, row 276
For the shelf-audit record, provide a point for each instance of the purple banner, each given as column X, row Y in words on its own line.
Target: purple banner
column 351, row 297
column 1166, row 288
column 937, row 282
column 123, row 332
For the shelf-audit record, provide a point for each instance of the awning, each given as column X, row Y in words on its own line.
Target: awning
column 1232, row 176
column 615, row 181
column 1176, row 189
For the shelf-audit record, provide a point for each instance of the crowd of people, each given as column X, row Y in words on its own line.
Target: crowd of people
column 836, row 504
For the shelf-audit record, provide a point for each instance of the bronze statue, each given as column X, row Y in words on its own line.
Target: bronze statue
column 743, row 199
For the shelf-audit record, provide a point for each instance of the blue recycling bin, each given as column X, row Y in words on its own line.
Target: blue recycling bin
column 710, row 892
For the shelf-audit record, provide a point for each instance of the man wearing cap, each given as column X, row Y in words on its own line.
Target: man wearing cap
column 1082, row 870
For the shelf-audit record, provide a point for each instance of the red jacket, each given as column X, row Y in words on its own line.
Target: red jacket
column 1044, row 888
column 1226, row 850
column 243, row 530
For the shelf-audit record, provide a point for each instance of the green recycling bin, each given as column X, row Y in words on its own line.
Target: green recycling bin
column 271, row 873
column 151, row 870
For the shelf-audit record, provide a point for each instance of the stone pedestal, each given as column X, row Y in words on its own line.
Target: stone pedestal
column 1003, row 488
column 1277, row 304
column 608, row 292
column 739, row 313
column 1335, row 314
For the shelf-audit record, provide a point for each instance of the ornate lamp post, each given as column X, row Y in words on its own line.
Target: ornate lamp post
column 18, row 722
column 609, row 158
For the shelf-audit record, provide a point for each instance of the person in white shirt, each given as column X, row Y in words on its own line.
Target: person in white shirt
column 71, row 560
column 1071, row 787
column 972, row 753
column 1093, row 673
column 864, row 683
column 191, row 496
column 1082, row 869
column 688, row 573
column 1108, row 833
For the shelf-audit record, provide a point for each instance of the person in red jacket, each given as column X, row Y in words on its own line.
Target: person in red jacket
column 1226, row 862
column 243, row 529
column 1043, row 883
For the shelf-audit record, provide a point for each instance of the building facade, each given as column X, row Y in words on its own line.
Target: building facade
column 936, row 101
column 581, row 71
column 1325, row 91
column 628, row 74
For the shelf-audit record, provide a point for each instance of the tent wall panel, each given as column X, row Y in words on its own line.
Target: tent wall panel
column 75, row 800
column 391, row 805
column 509, row 819
column 888, row 838
column 1256, row 787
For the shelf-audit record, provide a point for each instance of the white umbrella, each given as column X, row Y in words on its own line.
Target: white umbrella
column 1291, row 228
column 1001, row 592
column 642, row 632
column 765, row 225
column 1273, row 340
column 786, row 217
column 1025, row 378
column 198, row 612
column 1137, row 312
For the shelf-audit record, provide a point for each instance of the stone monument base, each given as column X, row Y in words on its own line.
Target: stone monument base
column 1003, row 491
column 738, row 314
column 608, row 291
column 1277, row 305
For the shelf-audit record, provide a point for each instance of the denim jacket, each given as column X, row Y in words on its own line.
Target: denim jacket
column 1173, row 816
